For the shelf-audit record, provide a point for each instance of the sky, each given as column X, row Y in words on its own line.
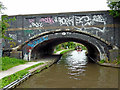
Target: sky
column 17, row 7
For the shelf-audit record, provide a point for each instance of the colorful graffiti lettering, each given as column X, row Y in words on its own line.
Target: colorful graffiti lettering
column 80, row 22
column 28, row 32
column 34, row 43
column 47, row 20
column 31, row 20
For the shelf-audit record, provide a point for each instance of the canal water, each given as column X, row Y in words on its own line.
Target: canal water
column 74, row 71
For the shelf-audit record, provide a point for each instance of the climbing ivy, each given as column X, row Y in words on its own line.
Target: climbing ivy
column 4, row 23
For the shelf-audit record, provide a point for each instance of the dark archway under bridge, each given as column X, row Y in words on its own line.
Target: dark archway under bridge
column 47, row 48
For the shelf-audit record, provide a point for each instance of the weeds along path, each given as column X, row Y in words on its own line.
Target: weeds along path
column 17, row 68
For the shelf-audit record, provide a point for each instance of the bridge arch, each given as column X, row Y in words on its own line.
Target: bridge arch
column 47, row 47
column 43, row 44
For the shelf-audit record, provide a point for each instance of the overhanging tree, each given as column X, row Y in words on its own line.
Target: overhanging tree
column 115, row 7
column 4, row 20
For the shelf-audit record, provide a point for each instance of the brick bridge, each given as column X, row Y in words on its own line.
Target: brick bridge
column 37, row 35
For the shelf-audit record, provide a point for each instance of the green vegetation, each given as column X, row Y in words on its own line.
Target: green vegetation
column 115, row 8
column 11, row 62
column 63, row 52
column 4, row 23
column 7, row 80
column 102, row 61
column 68, row 45
column 37, row 71
column 34, row 66
column 2, row 7
column 46, row 66
column 116, row 61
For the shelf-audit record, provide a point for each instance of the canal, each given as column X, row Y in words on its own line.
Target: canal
column 74, row 71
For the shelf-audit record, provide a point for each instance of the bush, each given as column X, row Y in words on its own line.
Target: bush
column 102, row 61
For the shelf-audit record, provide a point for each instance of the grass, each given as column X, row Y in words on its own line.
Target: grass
column 57, row 50
column 63, row 52
column 102, row 61
column 7, row 80
column 8, row 62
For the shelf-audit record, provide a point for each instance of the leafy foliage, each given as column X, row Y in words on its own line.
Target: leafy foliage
column 4, row 23
column 2, row 7
column 63, row 52
column 102, row 61
column 115, row 8
column 69, row 45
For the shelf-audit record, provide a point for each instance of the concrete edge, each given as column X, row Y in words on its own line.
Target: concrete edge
column 109, row 65
column 106, row 64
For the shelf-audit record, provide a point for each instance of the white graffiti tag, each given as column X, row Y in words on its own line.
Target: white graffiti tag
column 13, row 36
column 66, row 21
column 94, row 22
column 36, row 24
column 87, row 22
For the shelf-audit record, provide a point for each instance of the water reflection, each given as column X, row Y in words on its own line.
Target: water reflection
column 76, row 62
column 73, row 71
column 76, row 59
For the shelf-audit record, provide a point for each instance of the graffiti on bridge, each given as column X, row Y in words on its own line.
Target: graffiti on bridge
column 34, row 43
column 31, row 45
column 80, row 22
column 13, row 36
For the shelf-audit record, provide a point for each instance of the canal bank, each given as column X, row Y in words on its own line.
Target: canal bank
column 46, row 62
column 109, row 65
